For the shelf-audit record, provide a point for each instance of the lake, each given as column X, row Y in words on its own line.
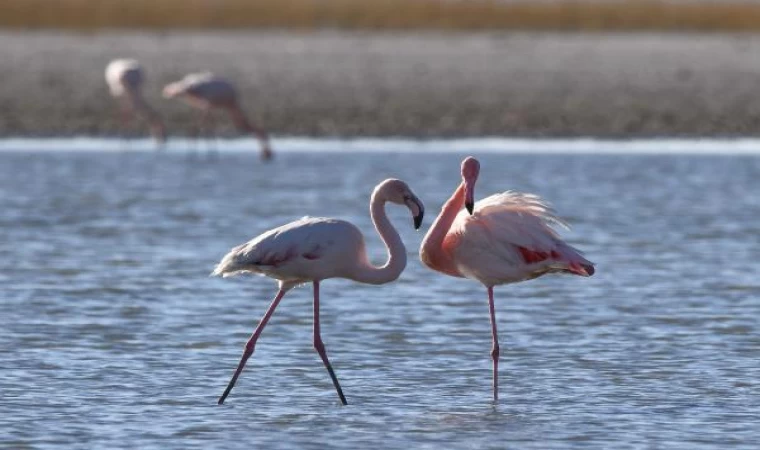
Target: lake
column 113, row 335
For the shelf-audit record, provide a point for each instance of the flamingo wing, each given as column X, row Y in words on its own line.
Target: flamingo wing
column 510, row 237
column 286, row 249
column 203, row 86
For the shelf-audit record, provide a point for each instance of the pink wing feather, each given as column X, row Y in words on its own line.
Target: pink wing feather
column 273, row 248
column 290, row 251
column 510, row 237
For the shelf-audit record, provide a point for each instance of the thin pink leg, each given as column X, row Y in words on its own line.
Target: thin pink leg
column 320, row 347
column 211, row 152
column 125, row 118
column 199, row 130
column 263, row 137
column 125, row 114
column 495, row 346
column 252, row 344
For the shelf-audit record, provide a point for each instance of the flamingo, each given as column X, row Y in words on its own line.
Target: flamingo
column 125, row 78
column 504, row 238
column 313, row 249
column 207, row 92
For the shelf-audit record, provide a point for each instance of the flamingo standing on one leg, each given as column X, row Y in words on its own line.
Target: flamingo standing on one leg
column 315, row 249
column 504, row 238
column 206, row 92
column 125, row 78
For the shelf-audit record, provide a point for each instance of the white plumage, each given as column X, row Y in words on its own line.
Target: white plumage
column 124, row 75
column 205, row 87
column 311, row 248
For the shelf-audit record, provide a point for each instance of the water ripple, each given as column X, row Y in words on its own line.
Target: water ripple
column 114, row 336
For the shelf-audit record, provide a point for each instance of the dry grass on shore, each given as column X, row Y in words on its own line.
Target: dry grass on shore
column 381, row 14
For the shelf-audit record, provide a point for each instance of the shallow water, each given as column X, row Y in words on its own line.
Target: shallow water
column 114, row 336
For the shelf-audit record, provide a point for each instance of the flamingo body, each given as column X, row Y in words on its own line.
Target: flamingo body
column 124, row 75
column 204, row 89
column 308, row 249
column 509, row 238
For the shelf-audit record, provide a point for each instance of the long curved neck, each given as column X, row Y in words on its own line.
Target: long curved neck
column 396, row 251
column 142, row 108
column 243, row 124
column 431, row 250
column 239, row 118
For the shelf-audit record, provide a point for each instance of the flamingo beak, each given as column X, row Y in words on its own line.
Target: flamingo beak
column 469, row 202
column 417, row 221
column 418, row 210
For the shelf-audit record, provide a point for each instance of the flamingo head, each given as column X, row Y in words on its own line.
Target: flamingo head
column 470, row 171
column 398, row 192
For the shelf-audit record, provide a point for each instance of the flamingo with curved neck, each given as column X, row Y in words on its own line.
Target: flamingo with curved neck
column 313, row 249
column 125, row 78
column 505, row 238
column 207, row 92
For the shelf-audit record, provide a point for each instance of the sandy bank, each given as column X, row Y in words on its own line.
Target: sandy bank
column 430, row 84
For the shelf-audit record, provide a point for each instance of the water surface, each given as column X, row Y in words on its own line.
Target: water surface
column 114, row 336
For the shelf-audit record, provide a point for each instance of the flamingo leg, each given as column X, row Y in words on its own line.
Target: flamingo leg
column 320, row 347
column 263, row 138
column 251, row 344
column 495, row 346
column 125, row 119
column 211, row 152
column 199, row 130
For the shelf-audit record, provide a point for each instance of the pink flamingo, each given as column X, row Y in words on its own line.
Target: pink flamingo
column 504, row 238
column 125, row 78
column 207, row 92
column 313, row 249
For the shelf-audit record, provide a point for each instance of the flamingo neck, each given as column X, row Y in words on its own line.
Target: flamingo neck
column 144, row 110
column 239, row 119
column 432, row 252
column 142, row 107
column 396, row 251
column 243, row 124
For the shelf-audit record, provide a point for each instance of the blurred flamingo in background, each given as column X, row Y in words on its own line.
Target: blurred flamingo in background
column 207, row 92
column 125, row 78
column 313, row 249
column 504, row 238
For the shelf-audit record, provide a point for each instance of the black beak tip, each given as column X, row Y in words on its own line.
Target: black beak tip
column 417, row 222
column 469, row 206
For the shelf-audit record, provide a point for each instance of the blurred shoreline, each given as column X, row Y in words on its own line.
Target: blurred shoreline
column 413, row 84
column 189, row 147
column 392, row 15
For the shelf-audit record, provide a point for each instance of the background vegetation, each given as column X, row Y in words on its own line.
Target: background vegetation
column 382, row 14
